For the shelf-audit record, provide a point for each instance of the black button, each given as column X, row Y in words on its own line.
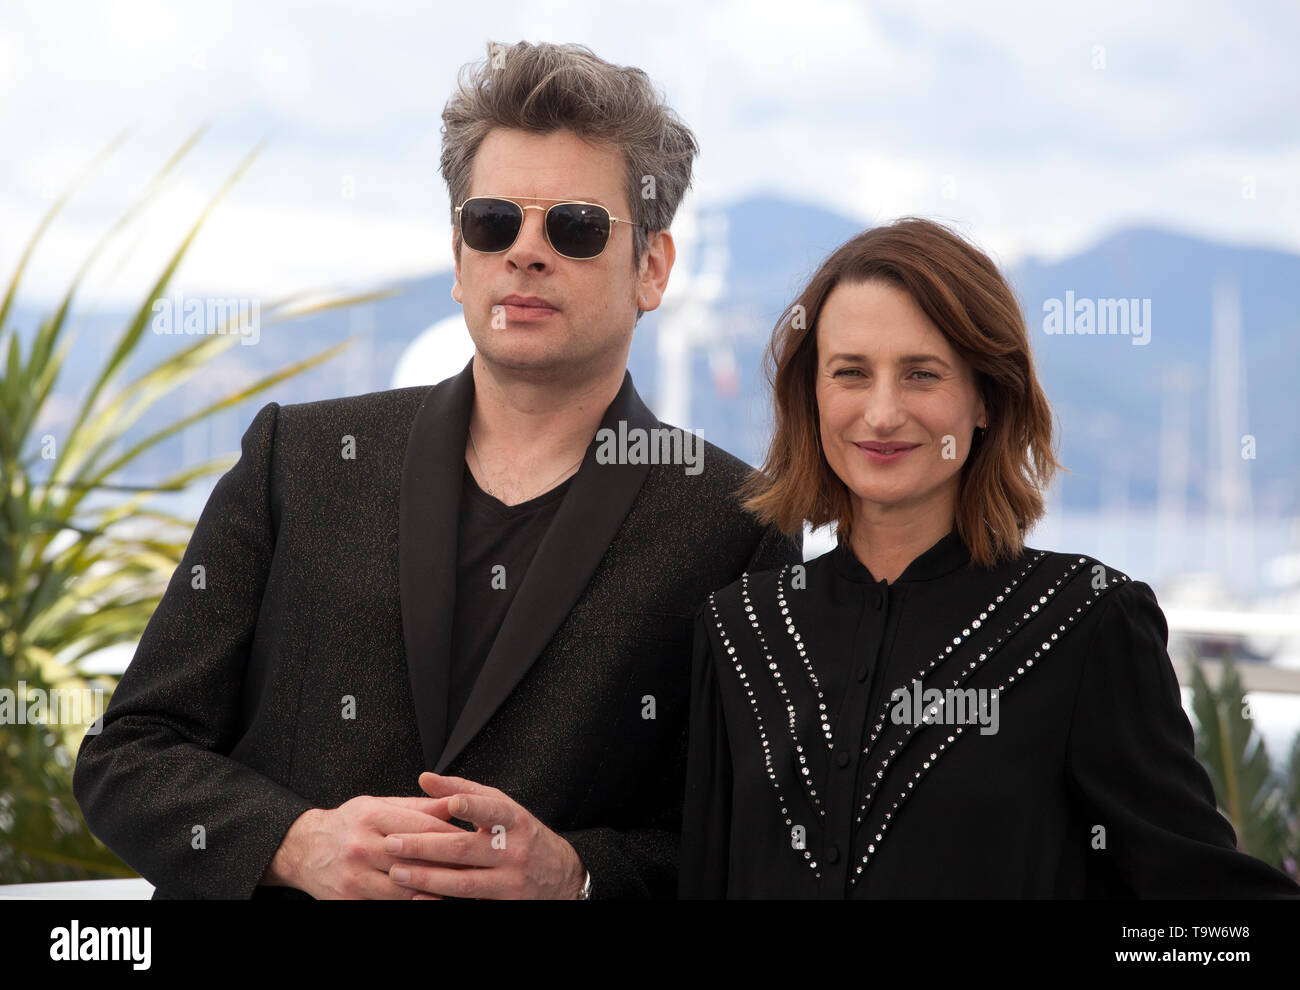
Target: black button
column 861, row 672
column 841, row 759
column 833, row 854
column 880, row 601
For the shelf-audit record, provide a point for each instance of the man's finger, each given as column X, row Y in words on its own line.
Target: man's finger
column 484, row 810
column 436, row 785
column 386, row 817
column 427, row 805
column 463, row 850
column 451, row 882
column 379, row 886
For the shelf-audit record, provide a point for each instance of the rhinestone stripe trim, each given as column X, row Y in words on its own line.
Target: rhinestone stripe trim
column 762, row 733
column 944, row 654
column 1001, row 689
column 805, row 772
column 803, row 655
column 814, row 682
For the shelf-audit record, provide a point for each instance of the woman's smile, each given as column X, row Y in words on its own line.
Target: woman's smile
column 886, row 453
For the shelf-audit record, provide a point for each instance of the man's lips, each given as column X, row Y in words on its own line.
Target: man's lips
column 527, row 302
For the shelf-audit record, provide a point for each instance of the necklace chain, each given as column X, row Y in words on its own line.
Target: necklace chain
column 493, row 492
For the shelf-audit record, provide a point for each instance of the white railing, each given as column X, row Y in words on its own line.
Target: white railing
column 133, row 889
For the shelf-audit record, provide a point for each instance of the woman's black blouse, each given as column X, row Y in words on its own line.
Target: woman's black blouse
column 1040, row 750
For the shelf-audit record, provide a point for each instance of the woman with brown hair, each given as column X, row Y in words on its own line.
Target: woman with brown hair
column 933, row 709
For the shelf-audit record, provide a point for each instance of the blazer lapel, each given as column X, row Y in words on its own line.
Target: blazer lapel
column 584, row 525
column 428, row 520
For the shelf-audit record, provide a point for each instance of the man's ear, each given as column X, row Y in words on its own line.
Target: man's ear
column 457, row 292
column 656, row 264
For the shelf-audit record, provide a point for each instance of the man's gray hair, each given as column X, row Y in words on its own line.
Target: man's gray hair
column 545, row 88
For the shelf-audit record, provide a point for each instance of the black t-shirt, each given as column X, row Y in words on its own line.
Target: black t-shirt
column 495, row 545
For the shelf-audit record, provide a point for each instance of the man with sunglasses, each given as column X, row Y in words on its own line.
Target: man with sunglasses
column 457, row 663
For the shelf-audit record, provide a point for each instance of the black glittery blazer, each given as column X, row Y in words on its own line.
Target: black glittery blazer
column 299, row 656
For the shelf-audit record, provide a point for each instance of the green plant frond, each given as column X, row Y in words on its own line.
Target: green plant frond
column 9, row 442
column 36, row 558
column 138, row 323
column 128, row 510
column 86, row 633
column 83, row 575
column 50, row 600
column 1293, row 776
column 55, row 209
column 50, row 330
column 78, row 490
column 45, row 854
column 151, row 190
column 175, row 482
column 43, row 383
column 1203, row 708
column 141, row 564
column 98, row 441
column 117, row 417
column 1238, row 764
column 23, row 391
column 113, row 419
column 51, row 669
column 13, row 368
column 335, row 302
column 116, row 546
column 141, row 513
column 123, row 628
column 1231, row 739
column 64, row 594
column 230, row 400
column 170, row 373
column 101, row 534
column 13, row 510
column 79, row 573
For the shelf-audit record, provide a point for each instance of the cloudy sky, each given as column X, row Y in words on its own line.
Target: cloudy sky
column 1034, row 130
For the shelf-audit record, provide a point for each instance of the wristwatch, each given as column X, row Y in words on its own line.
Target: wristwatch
column 586, row 889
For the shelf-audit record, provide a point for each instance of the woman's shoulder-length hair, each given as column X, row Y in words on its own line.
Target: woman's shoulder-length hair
column 959, row 288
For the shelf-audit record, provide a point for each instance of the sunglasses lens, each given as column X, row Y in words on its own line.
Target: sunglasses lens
column 578, row 230
column 490, row 225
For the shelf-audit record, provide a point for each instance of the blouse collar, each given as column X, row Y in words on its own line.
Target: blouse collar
column 943, row 558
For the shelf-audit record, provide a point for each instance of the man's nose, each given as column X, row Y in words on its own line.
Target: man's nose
column 531, row 248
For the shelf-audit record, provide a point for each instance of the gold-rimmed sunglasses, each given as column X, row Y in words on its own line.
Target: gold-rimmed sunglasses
column 574, row 229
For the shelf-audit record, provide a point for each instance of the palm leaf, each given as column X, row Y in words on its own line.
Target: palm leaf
column 1233, row 753
column 77, row 577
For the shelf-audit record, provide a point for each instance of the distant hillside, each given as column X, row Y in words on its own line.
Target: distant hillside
column 1106, row 389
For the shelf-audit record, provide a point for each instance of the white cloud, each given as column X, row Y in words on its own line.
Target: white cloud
column 861, row 109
